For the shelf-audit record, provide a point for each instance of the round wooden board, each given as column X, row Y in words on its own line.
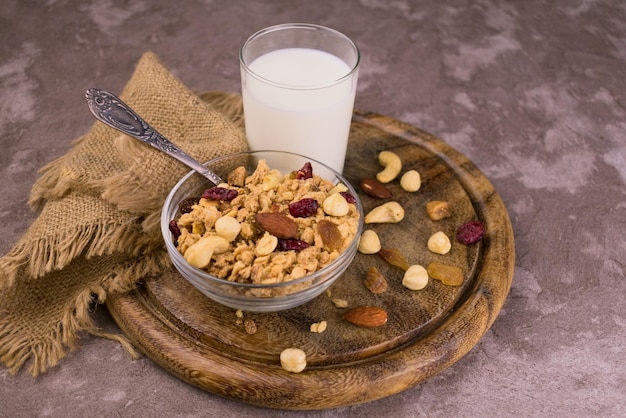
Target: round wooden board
column 202, row 343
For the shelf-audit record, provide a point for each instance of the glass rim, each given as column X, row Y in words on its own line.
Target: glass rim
column 309, row 26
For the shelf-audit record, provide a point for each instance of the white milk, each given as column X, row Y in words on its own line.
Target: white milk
column 292, row 112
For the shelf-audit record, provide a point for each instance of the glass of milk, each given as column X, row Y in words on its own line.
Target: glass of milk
column 298, row 86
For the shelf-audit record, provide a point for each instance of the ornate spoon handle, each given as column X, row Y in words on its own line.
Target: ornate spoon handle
column 110, row 110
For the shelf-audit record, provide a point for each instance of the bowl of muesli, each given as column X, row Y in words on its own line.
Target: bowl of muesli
column 276, row 234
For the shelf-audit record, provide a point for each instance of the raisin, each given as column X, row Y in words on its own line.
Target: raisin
column 303, row 208
column 174, row 229
column 348, row 196
column 470, row 232
column 186, row 205
column 291, row 244
column 394, row 257
column 220, row 193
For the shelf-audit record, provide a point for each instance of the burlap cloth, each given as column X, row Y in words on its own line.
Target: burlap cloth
column 99, row 205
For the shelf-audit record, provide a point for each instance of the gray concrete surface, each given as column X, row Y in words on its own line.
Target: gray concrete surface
column 532, row 91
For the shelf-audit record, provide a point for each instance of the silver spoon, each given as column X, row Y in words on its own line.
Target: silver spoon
column 110, row 110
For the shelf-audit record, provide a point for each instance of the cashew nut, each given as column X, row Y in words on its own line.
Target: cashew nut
column 390, row 212
column 411, row 181
column 439, row 243
column 199, row 254
column 415, row 277
column 392, row 164
column 293, row 360
column 336, row 205
column 369, row 243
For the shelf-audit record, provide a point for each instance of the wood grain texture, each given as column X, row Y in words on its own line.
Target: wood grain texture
column 200, row 341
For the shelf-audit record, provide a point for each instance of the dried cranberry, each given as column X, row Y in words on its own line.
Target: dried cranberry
column 470, row 232
column 291, row 244
column 186, row 205
column 303, row 208
column 306, row 172
column 174, row 229
column 348, row 196
column 220, row 193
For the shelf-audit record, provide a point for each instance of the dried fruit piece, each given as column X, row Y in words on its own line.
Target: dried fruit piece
column 277, row 224
column 375, row 188
column 348, row 196
column 448, row 275
column 366, row 316
column 186, row 205
column 291, row 244
column 220, row 193
column 330, row 235
column 306, row 172
column 437, row 210
column 250, row 326
column 375, row 282
column 394, row 257
column 174, row 229
column 470, row 232
column 303, row 208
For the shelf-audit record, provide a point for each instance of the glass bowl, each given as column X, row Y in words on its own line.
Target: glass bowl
column 249, row 296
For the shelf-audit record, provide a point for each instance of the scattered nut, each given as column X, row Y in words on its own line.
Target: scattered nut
column 375, row 282
column 227, row 227
column 293, row 360
column 392, row 164
column 366, row 316
column 330, row 235
column 250, row 326
column 394, row 257
column 266, row 245
column 237, row 177
column 415, row 277
column 411, row 181
column 319, row 327
column 439, row 243
column 375, row 188
column 448, row 275
column 277, row 224
column 200, row 253
column 369, row 243
column 390, row 212
column 336, row 205
column 340, row 303
column 437, row 210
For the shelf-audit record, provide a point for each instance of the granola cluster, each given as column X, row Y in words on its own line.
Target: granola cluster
column 267, row 227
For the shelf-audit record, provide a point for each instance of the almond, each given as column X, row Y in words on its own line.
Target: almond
column 366, row 316
column 375, row 188
column 277, row 224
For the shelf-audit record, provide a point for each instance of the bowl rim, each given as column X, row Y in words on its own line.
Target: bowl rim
column 173, row 251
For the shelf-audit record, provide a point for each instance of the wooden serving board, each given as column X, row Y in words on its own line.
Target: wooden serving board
column 201, row 342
